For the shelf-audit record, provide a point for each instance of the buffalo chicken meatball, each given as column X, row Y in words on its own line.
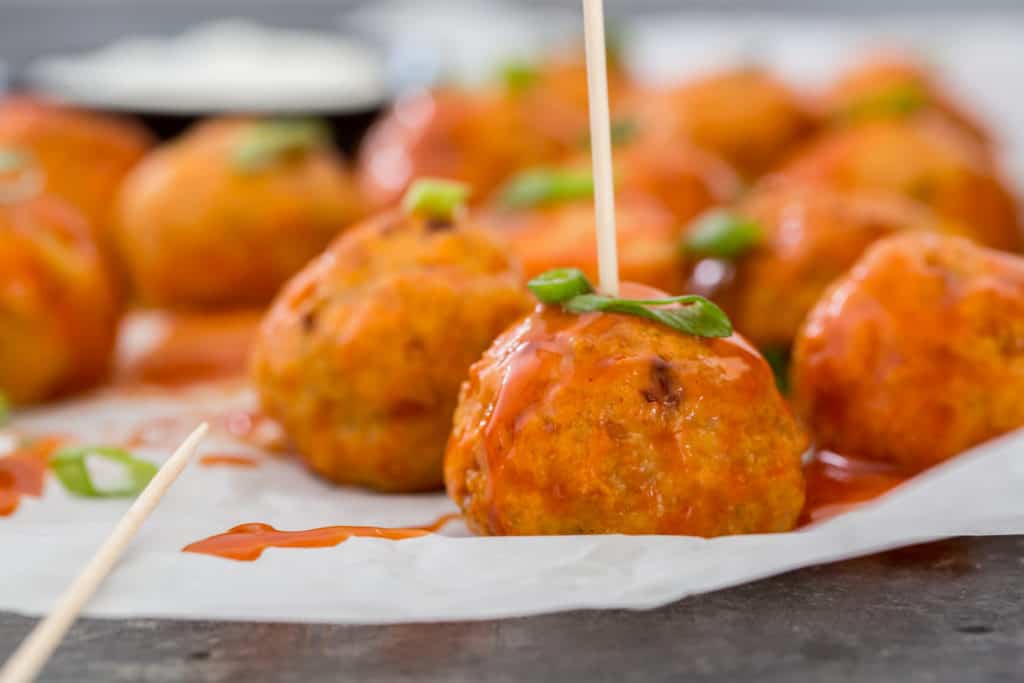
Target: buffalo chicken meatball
column 807, row 237
column 746, row 116
column 225, row 215
column 477, row 138
column 607, row 423
column 361, row 356
column 547, row 218
column 916, row 354
column 83, row 156
column 893, row 85
column 58, row 308
column 923, row 158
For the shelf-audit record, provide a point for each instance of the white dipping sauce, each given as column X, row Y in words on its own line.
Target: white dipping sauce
column 230, row 65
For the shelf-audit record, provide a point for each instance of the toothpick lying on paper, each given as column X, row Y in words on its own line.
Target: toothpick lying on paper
column 33, row 653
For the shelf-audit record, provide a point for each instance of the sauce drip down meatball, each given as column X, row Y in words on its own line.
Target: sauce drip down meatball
column 608, row 423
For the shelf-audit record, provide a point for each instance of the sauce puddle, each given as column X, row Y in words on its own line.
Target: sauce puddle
column 246, row 542
column 838, row 484
column 228, row 460
column 23, row 472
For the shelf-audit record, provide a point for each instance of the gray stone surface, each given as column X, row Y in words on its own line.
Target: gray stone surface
column 950, row 612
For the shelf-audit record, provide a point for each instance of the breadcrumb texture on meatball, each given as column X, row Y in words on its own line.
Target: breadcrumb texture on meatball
column 603, row 423
column 195, row 231
column 810, row 237
column 361, row 356
column 923, row 158
column 83, row 155
column 917, row 354
column 58, row 306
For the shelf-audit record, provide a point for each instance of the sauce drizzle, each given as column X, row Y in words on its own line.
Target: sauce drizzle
column 228, row 460
column 23, row 472
column 246, row 542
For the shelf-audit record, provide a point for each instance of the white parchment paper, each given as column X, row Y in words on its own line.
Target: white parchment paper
column 445, row 577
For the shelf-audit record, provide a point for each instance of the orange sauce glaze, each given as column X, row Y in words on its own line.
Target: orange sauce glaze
column 837, row 484
column 23, row 472
column 228, row 460
column 177, row 349
column 246, row 542
column 543, row 357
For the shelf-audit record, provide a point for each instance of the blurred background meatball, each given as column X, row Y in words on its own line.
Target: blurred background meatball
column 892, row 85
column 924, row 158
column 917, row 354
column 58, row 308
column 546, row 216
column 83, row 156
column 746, row 116
column 221, row 217
column 806, row 237
column 478, row 137
column 605, row 423
column 362, row 354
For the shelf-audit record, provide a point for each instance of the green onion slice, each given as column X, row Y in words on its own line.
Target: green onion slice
column 560, row 284
column 263, row 143
column 5, row 409
column 13, row 160
column 723, row 234
column 899, row 100
column 435, row 198
column 689, row 313
column 543, row 186
column 69, row 464
column 519, row 75
column 696, row 315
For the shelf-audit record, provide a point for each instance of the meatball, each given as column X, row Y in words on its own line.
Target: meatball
column 894, row 85
column 605, row 423
column 83, row 156
column 746, row 116
column 685, row 180
column 222, row 217
column 477, row 138
column 58, row 307
column 562, row 233
column 809, row 236
column 916, row 354
column 925, row 159
column 362, row 354
column 554, row 95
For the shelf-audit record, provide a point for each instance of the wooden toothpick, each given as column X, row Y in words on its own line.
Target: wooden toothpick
column 601, row 146
column 26, row 662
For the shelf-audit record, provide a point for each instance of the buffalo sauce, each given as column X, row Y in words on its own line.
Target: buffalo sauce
column 227, row 460
column 23, row 472
column 246, row 542
column 176, row 349
column 540, row 355
column 837, row 484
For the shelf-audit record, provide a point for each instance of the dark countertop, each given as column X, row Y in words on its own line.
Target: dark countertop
column 951, row 612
